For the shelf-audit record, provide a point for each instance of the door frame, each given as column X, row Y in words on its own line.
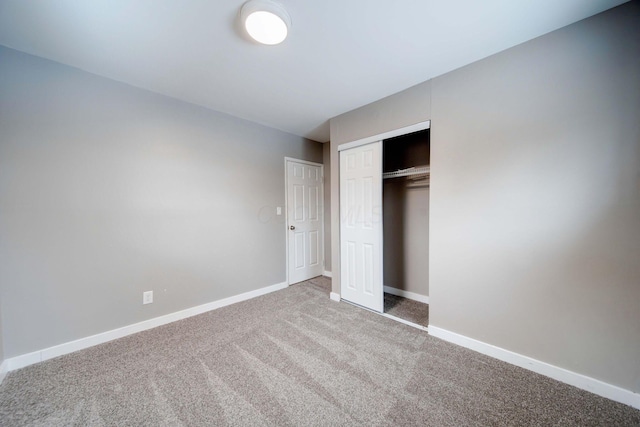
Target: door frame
column 337, row 272
column 286, row 209
column 386, row 135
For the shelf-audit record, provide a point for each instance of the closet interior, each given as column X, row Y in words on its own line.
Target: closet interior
column 406, row 174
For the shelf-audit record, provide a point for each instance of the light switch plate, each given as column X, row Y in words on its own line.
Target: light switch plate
column 147, row 297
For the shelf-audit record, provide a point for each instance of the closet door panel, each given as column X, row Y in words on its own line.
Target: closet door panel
column 361, row 225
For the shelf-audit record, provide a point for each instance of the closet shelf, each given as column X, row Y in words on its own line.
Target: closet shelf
column 417, row 170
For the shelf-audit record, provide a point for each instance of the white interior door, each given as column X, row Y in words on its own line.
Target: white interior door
column 361, row 225
column 305, row 212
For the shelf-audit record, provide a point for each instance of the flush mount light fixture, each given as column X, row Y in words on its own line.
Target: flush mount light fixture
column 266, row 21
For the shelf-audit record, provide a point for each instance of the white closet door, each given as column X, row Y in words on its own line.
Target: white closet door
column 361, row 225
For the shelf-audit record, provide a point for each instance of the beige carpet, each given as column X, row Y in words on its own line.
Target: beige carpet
column 292, row 358
column 406, row 309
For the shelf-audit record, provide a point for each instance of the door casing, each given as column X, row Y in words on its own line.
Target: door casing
column 337, row 269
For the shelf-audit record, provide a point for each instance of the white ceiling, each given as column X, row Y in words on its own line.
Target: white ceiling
column 340, row 54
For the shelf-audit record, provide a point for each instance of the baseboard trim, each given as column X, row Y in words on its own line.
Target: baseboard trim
column 4, row 369
column 569, row 377
column 327, row 273
column 334, row 296
column 406, row 294
column 90, row 341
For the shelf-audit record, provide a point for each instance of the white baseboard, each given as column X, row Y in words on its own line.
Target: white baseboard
column 4, row 369
column 327, row 273
column 82, row 343
column 334, row 296
column 406, row 294
column 572, row 378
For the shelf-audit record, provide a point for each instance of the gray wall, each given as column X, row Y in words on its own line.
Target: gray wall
column 535, row 200
column 107, row 191
column 406, row 236
column 402, row 109
column 416, row 265
column 535, row 207
column 1, row 335
column 326, row 159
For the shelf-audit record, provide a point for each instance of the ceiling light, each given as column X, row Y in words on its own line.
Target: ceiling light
column 266, row 21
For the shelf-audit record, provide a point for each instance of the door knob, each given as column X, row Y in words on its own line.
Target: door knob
column 292, row 227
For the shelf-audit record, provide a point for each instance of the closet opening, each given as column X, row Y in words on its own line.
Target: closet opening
column 406, row 172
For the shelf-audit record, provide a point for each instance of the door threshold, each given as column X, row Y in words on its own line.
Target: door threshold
column 389, row 316
column 406, row 322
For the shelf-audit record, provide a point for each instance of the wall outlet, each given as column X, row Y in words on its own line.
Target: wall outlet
column 278, row 210
column 147, row 297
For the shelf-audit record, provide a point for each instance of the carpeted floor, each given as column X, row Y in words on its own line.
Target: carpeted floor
column 407, row 309
column 292, row 358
